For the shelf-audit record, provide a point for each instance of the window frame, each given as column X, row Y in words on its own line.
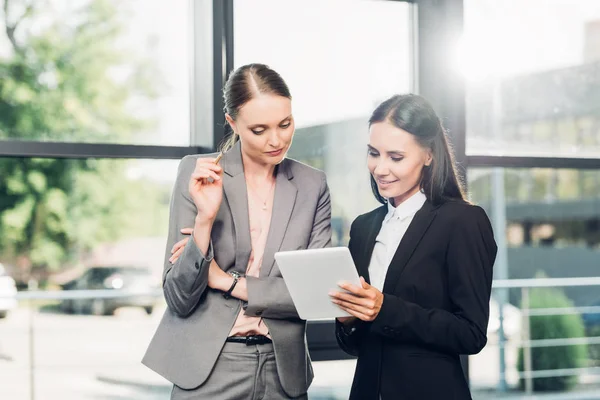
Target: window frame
column 436, row 27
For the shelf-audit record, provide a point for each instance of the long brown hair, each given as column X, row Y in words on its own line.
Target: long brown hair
column 414, row 114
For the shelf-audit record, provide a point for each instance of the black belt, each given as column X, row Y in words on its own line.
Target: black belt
column 249, row 340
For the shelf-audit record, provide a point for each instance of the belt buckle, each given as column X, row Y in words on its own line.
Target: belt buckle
column 252, row 340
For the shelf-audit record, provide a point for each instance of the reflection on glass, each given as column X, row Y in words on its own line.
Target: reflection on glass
column 84, row 225
column 95, row 71
column 532, row 87
column 57, row 214
column 350, row 62
column 340, row 58
column 546, row 223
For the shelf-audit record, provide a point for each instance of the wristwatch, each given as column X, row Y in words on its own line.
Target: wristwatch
column 236, row 277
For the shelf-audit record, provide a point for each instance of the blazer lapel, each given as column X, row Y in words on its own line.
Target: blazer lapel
column 373, row 228
column 236, row 196
column 283, row 205
column 408, row 244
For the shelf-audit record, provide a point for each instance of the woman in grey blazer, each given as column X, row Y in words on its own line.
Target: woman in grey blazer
column 231, row 330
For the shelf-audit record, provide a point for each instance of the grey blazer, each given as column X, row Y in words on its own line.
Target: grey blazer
column 198, row 319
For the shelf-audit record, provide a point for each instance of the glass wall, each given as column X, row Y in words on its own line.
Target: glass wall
column 88, row 72
column 96, row 72
column 532, row 83
column 105, row 71
column 546, row 222
column 533, row 77
column 100, row 72
column 354, row 56
column 86, row 225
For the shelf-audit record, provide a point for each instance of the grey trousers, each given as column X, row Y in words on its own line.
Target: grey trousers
column 240, row 373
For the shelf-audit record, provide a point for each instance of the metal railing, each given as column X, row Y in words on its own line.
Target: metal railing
column 525, row 342
column 85, row 294
column 320, row 334
column 37, row 295
column 525, row 285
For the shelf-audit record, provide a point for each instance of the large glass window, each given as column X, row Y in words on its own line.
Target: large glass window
column 107, row 71
column 546, row 225
column 85, row 225
column 533, row 77
column 58, row 213
column 340, row 60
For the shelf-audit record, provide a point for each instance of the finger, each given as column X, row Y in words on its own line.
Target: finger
column 203, row 175
column 350, row 298
column 208, row 167
column 179, row 245
column 176, row 255
column 187, row 231
column 366, row 312
column 364, row 283
column 356, row 314
column 208, row 163
column 362, row 304
column 352, row 288
column 346, row 296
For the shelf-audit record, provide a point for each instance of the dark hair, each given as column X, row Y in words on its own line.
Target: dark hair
column 242, row 85
column 414, row 114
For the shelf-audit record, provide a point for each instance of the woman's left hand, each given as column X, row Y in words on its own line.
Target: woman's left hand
column 217, row 278
column 362, row 302
column 178, row 247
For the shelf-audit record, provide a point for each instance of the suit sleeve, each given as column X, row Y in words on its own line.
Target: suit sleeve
column 268, row 297
column 185, row 281
column 470, row 257
column 349, row 336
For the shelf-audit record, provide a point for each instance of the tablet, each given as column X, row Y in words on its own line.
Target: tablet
column 309, row 276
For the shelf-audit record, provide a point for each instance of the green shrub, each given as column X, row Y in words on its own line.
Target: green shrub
column 554, row 327
column 594, row 349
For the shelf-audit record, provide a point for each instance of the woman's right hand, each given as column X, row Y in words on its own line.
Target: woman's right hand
column 206, row 188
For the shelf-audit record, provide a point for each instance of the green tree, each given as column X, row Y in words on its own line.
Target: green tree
column 64, row 76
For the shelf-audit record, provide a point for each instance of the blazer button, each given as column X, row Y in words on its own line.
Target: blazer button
column 197, row 265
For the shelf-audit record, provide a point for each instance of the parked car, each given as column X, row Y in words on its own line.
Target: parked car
column 131, row 279
column 8, row 292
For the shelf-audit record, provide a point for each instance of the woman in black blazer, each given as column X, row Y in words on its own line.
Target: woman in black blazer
column 425, row 258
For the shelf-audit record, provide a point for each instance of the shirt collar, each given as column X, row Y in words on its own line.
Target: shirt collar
column 407, row 208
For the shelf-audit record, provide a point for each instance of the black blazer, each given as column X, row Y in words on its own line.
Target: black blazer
column 435, row 307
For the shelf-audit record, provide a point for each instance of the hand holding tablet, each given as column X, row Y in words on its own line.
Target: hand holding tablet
column 311, row 274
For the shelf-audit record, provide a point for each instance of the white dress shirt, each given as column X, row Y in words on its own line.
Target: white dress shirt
column 392, row 230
